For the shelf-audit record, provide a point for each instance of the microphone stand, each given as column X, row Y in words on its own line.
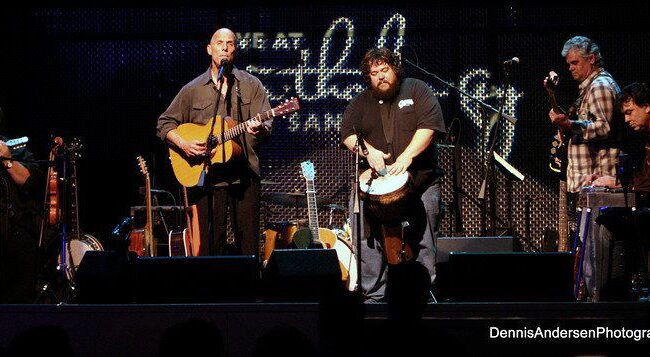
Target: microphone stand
column 357, row 215
column 210, row 143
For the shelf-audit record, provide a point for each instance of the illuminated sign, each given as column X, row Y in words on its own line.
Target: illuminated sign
column 335, row 78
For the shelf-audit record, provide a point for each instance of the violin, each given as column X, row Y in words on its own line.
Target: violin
column 53, row 185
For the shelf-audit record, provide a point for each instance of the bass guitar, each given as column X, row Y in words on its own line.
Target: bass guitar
column 558, row 164
column 222, row 148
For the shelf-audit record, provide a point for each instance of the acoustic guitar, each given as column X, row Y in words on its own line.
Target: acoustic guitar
column 186, row 242
column 222, row 148
column 141, row 241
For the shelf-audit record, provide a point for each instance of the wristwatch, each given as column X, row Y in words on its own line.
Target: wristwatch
column 8, row 164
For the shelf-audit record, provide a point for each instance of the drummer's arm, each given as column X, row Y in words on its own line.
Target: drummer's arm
column 351, row 141
column 376, row 158
column 421, row 140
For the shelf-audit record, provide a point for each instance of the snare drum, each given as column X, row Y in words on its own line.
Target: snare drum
column 76, row 250
column 278, row 235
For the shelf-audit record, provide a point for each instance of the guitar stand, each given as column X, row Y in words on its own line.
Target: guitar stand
column 59, row 280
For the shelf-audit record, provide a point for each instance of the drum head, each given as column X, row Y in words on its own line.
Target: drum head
column 76, row 249
column 383, row 184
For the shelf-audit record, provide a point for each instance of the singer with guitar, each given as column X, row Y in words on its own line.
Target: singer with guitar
column 398, row 119
column 21, row 186
column 226, row 94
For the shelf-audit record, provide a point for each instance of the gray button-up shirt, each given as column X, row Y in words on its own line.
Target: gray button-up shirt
column 195, row 104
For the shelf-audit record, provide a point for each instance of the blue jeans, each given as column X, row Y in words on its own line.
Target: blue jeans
column 373, row 263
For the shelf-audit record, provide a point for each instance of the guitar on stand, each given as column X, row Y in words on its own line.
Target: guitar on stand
column 316, row 237
column 186, row 242
column 141, row 241
column 558, row 164
column 222, row 148
column 75, row 243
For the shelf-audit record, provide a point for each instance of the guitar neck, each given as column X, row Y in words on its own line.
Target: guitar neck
column 553, row 100
column 148, row 227
column 312, row 209
column 75, row 231
column 563, row 220
column 149, row 219
column 241, row 127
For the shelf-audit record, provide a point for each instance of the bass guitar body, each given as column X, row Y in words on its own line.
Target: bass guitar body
column 188, row 171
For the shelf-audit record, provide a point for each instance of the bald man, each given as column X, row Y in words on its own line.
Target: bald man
column 235, row 185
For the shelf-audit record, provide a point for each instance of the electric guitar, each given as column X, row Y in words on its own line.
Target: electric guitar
column 142, row 241
column 558, row 164
column 188, row 171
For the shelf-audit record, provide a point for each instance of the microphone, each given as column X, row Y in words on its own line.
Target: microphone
column 511, row 62
column 222, row 68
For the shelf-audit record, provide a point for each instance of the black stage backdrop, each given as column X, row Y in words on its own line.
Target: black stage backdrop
column 104, row 74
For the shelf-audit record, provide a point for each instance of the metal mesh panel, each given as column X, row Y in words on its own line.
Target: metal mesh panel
column 106, row 74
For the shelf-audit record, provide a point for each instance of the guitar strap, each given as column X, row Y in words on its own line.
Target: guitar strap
column 389, row 127
column 239, row 116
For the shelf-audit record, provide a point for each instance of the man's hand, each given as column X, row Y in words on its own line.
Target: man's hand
column 253, row 127
column 401, row 164
column 4, row 149
column 192, row 148
column 559, row 119
column 376, row 159
column 604, row 181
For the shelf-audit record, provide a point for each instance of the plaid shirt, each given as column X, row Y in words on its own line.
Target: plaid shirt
column 591, row 149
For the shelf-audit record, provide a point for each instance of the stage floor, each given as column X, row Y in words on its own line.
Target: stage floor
column 337, row 328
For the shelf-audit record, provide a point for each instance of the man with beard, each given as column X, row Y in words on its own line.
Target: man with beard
column 399, row 118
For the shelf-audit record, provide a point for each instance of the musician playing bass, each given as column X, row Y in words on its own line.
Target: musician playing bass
column 235, row 185
column 399, row 118
column 593, row 148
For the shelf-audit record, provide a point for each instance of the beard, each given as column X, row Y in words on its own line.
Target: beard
column 385, row 94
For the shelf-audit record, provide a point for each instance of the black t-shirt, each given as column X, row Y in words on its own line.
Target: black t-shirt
column 642, row 178
column 413, row 107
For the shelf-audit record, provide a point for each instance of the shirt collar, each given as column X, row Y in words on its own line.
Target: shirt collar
column 206, row 78
column 590, row 78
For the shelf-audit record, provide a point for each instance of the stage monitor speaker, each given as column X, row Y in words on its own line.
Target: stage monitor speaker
column 103, row 277
column 446, row 245
column 521, row 277
column 196, row 279
column 302, row 275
